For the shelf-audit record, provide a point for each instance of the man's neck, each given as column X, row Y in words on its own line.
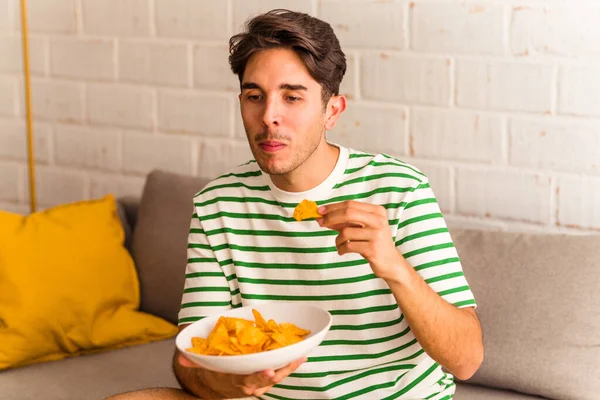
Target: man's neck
column 312, row 172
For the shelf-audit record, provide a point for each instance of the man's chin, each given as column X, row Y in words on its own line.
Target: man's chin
column 273, row 171
column 271, row 168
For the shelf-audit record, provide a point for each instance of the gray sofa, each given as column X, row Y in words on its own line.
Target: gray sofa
column 538, row 298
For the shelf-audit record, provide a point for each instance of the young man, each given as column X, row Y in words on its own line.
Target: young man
column 380, row 259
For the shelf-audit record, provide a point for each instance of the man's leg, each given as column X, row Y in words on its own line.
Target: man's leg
column 158, row 394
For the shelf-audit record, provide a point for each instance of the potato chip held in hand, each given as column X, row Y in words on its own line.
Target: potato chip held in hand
column 306, row 209
column 236, row 336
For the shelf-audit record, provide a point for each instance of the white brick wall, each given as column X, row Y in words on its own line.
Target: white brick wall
column 120, row 105
column 119, row 185
column 120, row 18
column 245, row 9
column 56, row 186
column 94, row 148
column 494, row 193
column 190, row 112
column 579, row 90
column 154, row 63
column 13, row 141
column 462, row 135
column 211, row 69
column 372, row 127
column 9, row 100
column 564, row 30
column 8, row 10
column 143, row 152
column 568, row 145
column 367, row 24
column 12, row 56
column 579, row 202
column 56, row 16
column 58, row 101
column 449, row 27
column 11, row 184
column 497, row 101
column 505, row 85
column 405, row 79
column 90, row 59
column 192, row 19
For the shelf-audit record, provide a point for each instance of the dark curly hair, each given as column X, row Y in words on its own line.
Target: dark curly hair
column 311, row 38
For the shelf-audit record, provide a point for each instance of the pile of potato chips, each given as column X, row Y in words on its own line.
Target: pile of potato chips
column 235, row 336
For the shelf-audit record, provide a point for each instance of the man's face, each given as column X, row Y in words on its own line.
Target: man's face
column 282, row 110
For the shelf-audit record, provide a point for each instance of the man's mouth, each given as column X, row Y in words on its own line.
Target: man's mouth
column 271, row 146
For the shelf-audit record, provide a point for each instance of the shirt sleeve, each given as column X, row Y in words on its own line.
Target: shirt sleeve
column 206, row 290
column 424, row 241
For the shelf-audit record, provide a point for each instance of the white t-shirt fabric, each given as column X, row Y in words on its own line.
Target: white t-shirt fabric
column 245, row 248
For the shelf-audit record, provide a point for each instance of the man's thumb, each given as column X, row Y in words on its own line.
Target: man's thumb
column 184, row 362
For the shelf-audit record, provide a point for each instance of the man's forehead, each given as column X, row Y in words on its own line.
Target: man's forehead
column 277, row 69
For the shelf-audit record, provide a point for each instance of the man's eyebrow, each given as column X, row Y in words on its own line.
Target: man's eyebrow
column 288, row 86
column 283, row 86
column 250, row 85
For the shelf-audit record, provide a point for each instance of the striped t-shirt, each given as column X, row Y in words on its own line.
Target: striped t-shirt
column 246, row 248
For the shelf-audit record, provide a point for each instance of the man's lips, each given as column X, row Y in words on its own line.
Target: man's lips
column 271, row 146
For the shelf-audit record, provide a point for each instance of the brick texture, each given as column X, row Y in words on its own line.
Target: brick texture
column 153, row 63
column 448, row 27
column 123, row 17
column 498, row 102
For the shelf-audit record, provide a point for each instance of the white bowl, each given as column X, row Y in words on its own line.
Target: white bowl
column 305, row 316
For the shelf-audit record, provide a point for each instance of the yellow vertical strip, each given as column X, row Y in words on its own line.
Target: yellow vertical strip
column 30, row 153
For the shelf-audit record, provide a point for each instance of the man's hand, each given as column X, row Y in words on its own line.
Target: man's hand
column 235, row 386
column 364, row 229
column 451, row 336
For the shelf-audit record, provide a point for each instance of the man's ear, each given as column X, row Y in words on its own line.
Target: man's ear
column 335, row 107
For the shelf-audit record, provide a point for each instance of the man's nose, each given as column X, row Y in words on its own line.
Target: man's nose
column 272, row 113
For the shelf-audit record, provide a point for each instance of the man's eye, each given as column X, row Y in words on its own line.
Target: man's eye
column 253, row 97
column 293, row 98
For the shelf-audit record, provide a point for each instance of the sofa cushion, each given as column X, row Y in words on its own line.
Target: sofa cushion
column 474, row 392
column 95, row 376
column 68, row 286
column 136, row 368
column 538, row 301
column 160, row 240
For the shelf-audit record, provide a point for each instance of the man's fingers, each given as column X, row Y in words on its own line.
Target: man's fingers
column 354, row 235
column 349, row 217
column 372, row 208
column 260, row 379
column 184, row 362
column 288, row 369
column 342, row 226
column 261, row 391
column 360, row 247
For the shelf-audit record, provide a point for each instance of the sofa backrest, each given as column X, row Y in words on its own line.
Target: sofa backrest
column 538, row 301
column 159, row 240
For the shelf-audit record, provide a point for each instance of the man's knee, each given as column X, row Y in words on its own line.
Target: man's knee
column 154, row 394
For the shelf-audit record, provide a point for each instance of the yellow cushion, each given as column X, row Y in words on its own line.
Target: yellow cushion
column 68, row 286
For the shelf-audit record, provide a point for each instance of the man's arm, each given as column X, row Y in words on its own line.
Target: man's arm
column 190, row 379
column 450, row 335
